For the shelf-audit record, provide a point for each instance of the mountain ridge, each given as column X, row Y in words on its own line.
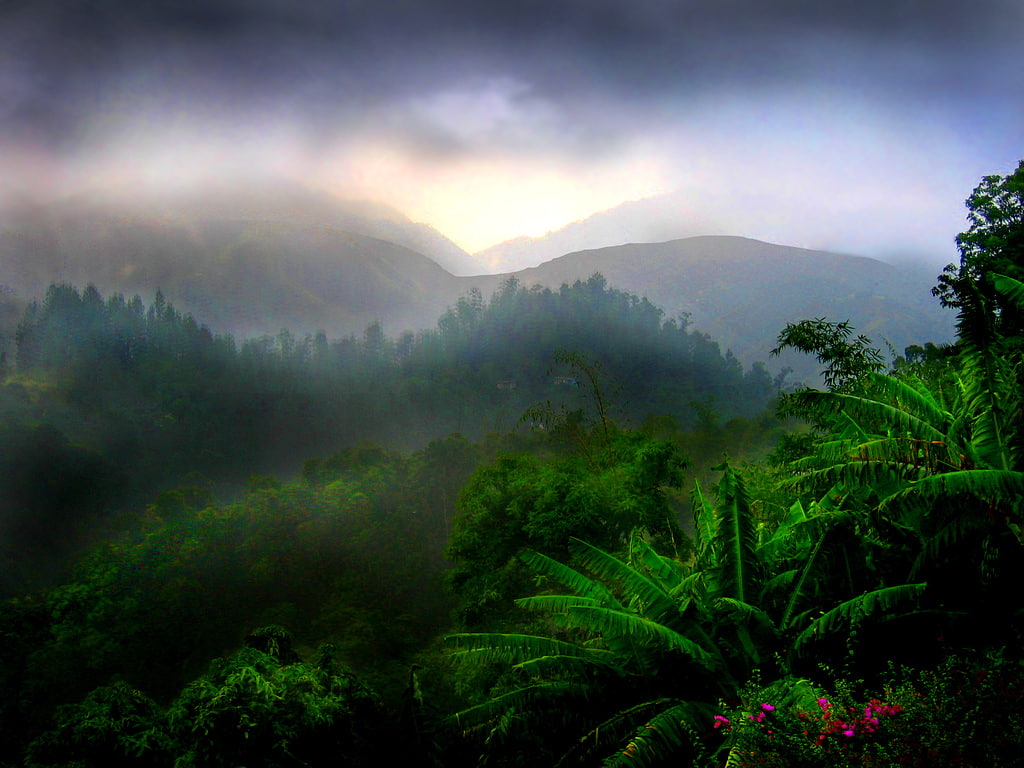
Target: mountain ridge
column 742, row 291
column 250, row 265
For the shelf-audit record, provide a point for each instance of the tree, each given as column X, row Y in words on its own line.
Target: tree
column 845, row 359
column 994, row 243
column 263, row 706
column 519, row 501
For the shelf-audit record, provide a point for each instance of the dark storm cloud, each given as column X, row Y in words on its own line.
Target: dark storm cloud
column 66, row 62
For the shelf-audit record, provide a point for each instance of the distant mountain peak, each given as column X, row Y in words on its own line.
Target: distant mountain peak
column 653, row 219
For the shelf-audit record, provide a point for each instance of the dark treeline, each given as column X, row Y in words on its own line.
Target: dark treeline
column 108, row 401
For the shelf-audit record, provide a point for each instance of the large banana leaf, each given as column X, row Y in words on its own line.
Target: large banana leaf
column 704, row 528
column 652, row 598
column 664, row 570
column 566, row 666
column 1010, row 288
column 512, row 648
column 561, row 603
column 797, row 594
column 570, row 577
column 993, row 486
column 871, row 415
column 877, row 604
column 735, row 539
column 630, row 626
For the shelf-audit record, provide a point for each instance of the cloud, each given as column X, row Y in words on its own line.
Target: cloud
column 525, row 110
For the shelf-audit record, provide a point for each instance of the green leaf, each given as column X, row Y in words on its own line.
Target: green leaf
column 623, row 624
column 874, row 605
column 652, row 598
column 735, row 539
column 492, row 646
column 570, row 577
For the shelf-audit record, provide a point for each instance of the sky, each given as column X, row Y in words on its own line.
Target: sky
column 853, row 125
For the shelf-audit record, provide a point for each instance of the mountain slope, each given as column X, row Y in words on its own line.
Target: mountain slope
column 253, row 261
column 742, row 292
column 242, row 265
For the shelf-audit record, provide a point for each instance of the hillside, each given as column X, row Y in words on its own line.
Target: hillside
column 742, row 292
column 246, row 263
column 253, row 261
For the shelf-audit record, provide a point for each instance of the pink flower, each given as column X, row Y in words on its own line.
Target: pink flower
column 823, row 703
column 848, row 732
column 720, row 721
column 767, row 708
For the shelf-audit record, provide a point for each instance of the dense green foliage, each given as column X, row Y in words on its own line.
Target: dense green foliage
column 261, row 706
column 911, row 551
column 578, row 591
column 140, row 399
column 993, row 245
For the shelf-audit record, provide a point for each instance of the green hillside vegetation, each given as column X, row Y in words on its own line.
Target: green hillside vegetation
column 558, row 530
column 141, row 399
column 742, row 291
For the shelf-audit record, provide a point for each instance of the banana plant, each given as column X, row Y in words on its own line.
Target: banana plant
column 942, row 463
column 662, row 641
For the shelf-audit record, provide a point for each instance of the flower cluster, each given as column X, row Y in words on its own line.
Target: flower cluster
column 766, row 735
column 853, row 722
